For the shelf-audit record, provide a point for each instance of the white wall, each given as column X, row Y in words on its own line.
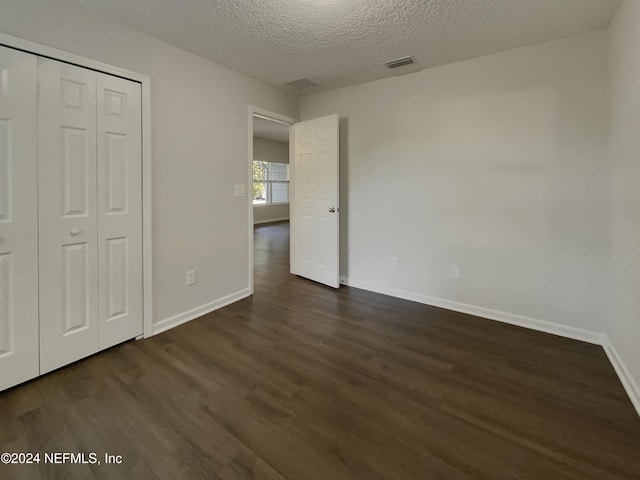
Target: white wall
column 267, row 150
column 496, row 165
column 200, row 131
column 624, row 319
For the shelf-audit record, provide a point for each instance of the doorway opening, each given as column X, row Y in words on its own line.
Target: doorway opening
column 312, row 195
column 270, row 193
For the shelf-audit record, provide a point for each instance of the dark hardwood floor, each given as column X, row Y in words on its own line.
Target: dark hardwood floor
column 303, row 382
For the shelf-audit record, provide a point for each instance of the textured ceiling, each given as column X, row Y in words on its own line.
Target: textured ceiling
column 271, row 130
column 342, row 42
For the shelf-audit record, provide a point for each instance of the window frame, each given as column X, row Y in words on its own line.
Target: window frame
column 268, row 183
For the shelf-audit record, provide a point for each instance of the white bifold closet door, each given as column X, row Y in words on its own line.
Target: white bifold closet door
column 68, row 213
column 90, row 216
column 119, row 210
column 18, row 219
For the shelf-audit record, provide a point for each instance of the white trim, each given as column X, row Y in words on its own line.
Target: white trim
column 271, row 118
column 55, row 54
column 145, row 82
column 627, row 380
column 184, row 317
column 292, row 193
column 270, row 220
column 147, row 209
column 500, row 316
column 268, row 115
column 269, row 204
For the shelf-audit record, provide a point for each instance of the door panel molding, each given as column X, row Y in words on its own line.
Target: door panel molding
column 67, row 213
column 315, row 215
column 18, row 218
column 145, row 84
column 120, row 306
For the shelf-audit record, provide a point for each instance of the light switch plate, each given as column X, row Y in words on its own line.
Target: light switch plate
column 239, row 190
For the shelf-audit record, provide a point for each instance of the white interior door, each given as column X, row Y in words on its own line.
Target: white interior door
column 67, row 213
column 119, row 210
column 316, row 225
column 18, row 218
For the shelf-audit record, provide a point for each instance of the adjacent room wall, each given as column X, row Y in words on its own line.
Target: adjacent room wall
column 200, row 130
column 623, row 322
column 496, row 165
column 268, row 150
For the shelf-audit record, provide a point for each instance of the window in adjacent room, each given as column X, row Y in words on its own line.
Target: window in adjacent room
column 270, row 182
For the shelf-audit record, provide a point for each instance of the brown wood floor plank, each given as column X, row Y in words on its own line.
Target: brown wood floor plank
column 302, row 382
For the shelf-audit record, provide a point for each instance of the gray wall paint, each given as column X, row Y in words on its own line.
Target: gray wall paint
column 270, row 213
column 267, row 150
column 496, row 165
column 623, row 324
column 200, row 130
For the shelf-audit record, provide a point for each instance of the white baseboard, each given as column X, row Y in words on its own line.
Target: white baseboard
column 630, row 385
column 179, row 319
column 505, row 317
column 270, row 220
column 628, row 382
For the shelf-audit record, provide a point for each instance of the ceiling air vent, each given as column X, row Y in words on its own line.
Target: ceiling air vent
column 400, row 62
column 302, row 83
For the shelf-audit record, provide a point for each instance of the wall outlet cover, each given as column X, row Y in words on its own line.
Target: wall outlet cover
column 454, row 271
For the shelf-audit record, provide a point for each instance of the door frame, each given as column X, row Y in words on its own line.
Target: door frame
column 278, row 117
column 145, row 82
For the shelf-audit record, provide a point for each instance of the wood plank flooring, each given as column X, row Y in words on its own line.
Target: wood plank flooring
column 301, row 382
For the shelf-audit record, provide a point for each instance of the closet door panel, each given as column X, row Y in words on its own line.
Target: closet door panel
column 67, row 213
column 119, row 209
column 18, row 218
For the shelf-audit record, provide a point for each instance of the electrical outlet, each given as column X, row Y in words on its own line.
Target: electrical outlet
column 454, row 271
column 394, row 262
column 191, row 277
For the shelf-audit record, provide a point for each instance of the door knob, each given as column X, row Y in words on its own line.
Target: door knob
column 332, row 210
column 74, row 232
